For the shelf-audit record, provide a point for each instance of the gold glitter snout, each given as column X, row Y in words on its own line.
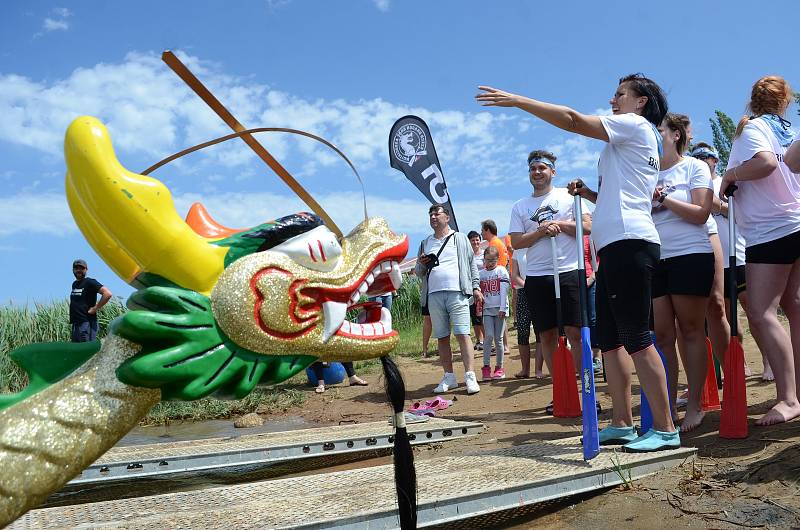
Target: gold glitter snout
column 269, row 303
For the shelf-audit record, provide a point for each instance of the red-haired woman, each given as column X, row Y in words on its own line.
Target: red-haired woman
column 627, row 242
column 768, row 214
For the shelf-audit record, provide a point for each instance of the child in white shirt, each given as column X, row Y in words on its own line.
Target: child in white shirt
column 494, row 285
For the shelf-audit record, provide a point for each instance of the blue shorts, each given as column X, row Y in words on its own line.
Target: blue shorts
column 449, row 308
column 84, row 331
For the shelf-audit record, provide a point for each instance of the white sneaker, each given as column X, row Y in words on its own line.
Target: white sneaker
column 471, row 382
column 448, row 383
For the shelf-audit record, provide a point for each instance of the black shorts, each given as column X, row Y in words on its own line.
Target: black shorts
column 741, row 280
column 690, row 274
column 622, row 298
column 541, row 294
column 782, row 251
column 475, row 318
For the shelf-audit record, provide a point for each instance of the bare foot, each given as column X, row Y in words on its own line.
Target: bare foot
column 539, row 374
column 522, row 375
column 779, row 413
column 320, row 388
column 357, row 381
column 747, row 371
column 767, row 375
column 692, row 420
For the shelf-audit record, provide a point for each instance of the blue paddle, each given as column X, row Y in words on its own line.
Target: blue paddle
column 591, row 438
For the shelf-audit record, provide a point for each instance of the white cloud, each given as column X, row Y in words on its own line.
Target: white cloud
column 57, row 22
column 149, row 111
column 50, row 24
column 576, row 153
column 45, row 213
column 382, row 5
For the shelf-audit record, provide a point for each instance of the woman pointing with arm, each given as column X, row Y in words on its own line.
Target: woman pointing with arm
column 627, row 242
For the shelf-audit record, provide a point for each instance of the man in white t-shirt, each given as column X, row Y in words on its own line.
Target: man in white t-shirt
column 446, row 265
column 547, row 214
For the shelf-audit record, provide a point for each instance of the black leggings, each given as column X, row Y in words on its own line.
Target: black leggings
column 318, row 368
column 523, row 317
column 623, row 294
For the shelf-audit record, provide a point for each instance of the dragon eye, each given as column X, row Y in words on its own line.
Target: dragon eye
column 317, row 249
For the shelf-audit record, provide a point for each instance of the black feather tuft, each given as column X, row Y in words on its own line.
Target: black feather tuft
column 405, row 476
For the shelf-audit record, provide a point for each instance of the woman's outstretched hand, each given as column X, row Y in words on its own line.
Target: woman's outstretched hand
column 494, row 97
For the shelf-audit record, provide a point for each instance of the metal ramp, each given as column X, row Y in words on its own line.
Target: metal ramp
column 450, row 489
column 135, row 461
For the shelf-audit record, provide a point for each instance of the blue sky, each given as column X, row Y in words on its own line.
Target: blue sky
column 346, row 71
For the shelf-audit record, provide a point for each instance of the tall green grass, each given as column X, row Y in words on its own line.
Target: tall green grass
column 44, row 322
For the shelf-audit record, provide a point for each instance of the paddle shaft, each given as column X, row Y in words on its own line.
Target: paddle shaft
column 732, row 294
column 557, row 285
column 197, row 86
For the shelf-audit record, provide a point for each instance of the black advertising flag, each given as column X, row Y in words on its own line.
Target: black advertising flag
column 411, row 151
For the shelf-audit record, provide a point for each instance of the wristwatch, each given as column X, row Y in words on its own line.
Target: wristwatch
column 662, row 196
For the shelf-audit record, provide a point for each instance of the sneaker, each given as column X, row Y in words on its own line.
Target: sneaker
column 654, row 440
column 478, row 346
column 597, row 363
column 471, row 382
column 447, row 383
column 617, row 435
column 499, row 373
column 486, row 373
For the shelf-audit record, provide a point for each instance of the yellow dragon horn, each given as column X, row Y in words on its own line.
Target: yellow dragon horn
column 130, row 219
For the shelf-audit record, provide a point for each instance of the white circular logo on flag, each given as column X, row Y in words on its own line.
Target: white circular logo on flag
column 409, row 143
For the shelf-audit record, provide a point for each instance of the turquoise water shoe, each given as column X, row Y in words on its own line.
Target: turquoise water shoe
column 616, row 435
column 654, row 440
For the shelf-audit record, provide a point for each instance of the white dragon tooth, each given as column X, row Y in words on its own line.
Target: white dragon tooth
column 346, row 326
column 333, row 315
column 396, row 276
column 377, row 270
column 386, row 319
column 368, row 329
column 386, row 266
column 363, row 288
column 369, row 279
column 355, row 329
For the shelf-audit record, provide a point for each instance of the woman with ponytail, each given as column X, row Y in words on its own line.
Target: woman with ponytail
column 767, row 213
column 627, row 243
column 684, row 276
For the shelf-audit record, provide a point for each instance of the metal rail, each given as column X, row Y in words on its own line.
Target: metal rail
column 135, row 461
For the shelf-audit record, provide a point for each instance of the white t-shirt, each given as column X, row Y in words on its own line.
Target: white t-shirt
column 678, row 236
column 768, row 208
column 711, row 225
column 443, row 277
column 520, row 257
column 724, row 235
column 479, row 259
column 557, row 205
column 628, row 171
column 494, row 286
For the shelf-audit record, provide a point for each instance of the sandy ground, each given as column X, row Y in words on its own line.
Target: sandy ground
column 751, row 483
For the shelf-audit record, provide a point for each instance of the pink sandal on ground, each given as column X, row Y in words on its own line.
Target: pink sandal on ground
column 439, row 403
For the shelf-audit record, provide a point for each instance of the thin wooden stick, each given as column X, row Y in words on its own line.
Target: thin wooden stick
column 197, row 86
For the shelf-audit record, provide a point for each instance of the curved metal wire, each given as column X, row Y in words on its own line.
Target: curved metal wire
column 261, row 130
